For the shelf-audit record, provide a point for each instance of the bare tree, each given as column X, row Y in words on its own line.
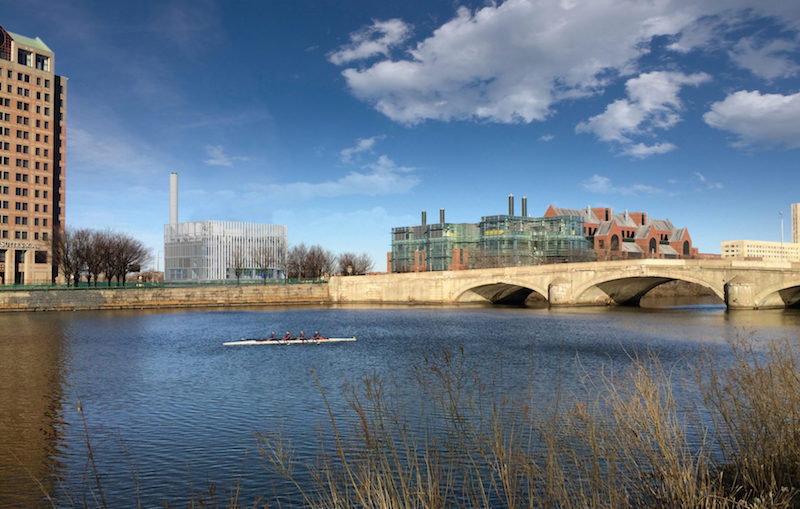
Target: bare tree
column 351, row 264
column 263, row 259
column 319, row 261
column 97, row 255
column 238, row 263
column 296, row 260
column 364, row 264
column 127, row 255
column 69, row 252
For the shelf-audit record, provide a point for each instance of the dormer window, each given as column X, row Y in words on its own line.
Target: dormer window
column 42, row 62
column 24, row 57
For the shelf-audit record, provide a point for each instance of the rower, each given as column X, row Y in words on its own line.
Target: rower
column 287, row 336
column 302, row 336
column 317, row 336
column 273, row 337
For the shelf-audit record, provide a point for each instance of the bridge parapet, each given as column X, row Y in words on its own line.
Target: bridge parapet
column 742, row 284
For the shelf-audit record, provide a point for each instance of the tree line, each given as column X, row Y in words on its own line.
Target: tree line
column 315, row 262
column 92, row 253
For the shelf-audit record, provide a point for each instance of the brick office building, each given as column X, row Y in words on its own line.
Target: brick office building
column 629, row 234
column 32, row 133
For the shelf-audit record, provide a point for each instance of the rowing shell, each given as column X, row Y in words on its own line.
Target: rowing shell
column 246, row 341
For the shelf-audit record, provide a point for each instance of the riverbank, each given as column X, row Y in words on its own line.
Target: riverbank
column 147, row 298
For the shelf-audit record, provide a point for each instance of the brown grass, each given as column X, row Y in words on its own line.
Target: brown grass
column 626, row 442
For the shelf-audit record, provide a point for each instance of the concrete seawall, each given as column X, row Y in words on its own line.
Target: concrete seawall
column 142, row 298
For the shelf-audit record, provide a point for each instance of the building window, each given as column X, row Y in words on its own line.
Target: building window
column 42, row 62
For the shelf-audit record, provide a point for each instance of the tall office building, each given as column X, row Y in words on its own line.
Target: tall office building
column 32, row 108
column 796, row 223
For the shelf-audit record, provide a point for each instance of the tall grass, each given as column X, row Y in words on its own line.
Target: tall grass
column 626, row 441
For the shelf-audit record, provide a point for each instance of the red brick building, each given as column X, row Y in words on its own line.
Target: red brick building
column 630, row 234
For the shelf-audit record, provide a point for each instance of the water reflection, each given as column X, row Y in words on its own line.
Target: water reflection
column 163, row 395
column 32, row 353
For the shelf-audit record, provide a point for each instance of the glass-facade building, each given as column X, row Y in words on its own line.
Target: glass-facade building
column 213, row 250
column 497, row 241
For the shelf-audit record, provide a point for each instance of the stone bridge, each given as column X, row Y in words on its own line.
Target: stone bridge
column 741, row 284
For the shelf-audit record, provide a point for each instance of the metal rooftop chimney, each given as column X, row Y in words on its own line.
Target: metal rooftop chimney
column 173, row 199
column 524, row 206
column 510, row 204
column 424, row 218
column 441, row 216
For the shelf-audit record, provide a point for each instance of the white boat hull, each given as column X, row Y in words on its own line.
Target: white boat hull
column 245, row 341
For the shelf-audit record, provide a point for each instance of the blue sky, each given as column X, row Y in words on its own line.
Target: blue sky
column 341, row 119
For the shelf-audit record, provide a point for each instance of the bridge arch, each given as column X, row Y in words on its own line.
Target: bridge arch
column 501, row 291
column 629, row 290
column 786, row 295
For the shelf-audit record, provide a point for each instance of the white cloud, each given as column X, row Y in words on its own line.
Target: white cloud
column 546, row 137
column 768, row 60
column 378, row 178
column 652, row 103
column 755, row 118
column 362, row 145
column 640, row 150
column 599, row 184
column 217, row 156
column 510, row 62
column 707, row 183
column 372, row 41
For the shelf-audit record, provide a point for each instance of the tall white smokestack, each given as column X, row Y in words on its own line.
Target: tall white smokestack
column 173, row 199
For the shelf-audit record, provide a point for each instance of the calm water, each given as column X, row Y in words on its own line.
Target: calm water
column 163, row 398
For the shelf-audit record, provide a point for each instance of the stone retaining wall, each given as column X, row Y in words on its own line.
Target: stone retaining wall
column 141, row 298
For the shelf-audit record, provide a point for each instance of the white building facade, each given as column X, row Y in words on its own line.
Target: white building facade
column 213, row 250
column 765, row 250
column 795, row 223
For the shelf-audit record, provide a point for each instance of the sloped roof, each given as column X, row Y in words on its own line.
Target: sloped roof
column 677, row 235
column 643, row 232
column 624, row 220
column 631, row 247
column 666, row 249
column 604, row 228
column 587, row 215
column 27, row 41
column 661, row 224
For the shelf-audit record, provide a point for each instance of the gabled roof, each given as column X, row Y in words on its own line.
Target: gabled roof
column 643, row 232
column 630, row 247
column 677, row 235
column 587, row 215
column 27, row 41
column 661, row 224
column 624, row 220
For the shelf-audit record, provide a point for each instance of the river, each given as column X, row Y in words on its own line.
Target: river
column 169, row 411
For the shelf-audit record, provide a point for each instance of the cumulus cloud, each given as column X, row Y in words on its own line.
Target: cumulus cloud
column 362, row 145
column 371, row 41
column 217, row 156
column 652, row 103
column 599, row 184
column 510, row 62
column 755, row 118
column 768, row 60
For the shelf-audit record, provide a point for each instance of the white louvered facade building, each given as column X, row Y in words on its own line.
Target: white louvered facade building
column 208, row 250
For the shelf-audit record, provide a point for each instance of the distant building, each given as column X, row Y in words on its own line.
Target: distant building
column 32, row 134
column 213, row 250
column 760, row 249
column 629, row 234
column 795, row 223
column 497, row 241
column 561, row 235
